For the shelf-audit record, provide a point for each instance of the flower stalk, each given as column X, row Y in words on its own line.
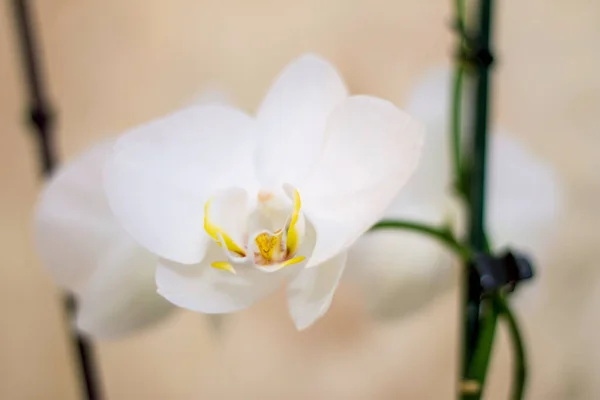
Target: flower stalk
column 480, row 317
column 520, row 356
column 481, row 311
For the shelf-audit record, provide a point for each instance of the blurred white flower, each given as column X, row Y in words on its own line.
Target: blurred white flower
column 401, row 271
column 212, row 95
column 88, row 253
column 235, row 205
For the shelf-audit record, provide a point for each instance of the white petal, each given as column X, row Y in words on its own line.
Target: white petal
column 162, row 173
column 213, row 95
column 88, row 252
column 121, row 295
column 399, row 271
column 429, row 103
column 524, row 194
column 200, row 287
column 371, row 150
column 430, row 100
column 311, row 291
column 74, row 226
column 525, row 197
column 229, row 211
column 293, row 117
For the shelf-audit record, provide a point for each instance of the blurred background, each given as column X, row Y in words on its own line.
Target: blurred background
column 112, row 64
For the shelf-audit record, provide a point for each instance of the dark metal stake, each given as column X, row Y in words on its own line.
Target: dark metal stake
column 41, row 118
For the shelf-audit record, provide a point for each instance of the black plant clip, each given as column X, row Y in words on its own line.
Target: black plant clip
column 500, row 272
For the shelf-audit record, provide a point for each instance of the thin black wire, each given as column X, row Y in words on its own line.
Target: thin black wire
column 41, row 118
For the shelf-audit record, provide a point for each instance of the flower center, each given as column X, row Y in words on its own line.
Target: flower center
column 268, row 251
column 270, row 247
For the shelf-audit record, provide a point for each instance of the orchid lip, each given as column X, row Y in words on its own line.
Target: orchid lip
column 266, row 250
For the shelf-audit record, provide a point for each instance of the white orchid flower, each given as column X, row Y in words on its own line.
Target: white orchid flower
column 89, row 254
column 235, row 205
column 401, row 271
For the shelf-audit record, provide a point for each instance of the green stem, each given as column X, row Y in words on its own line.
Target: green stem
column 459, row 183
column 442, row 235
column 469, row 313
column 520, row 368
column 479, row 153
column 474, row 380
column 460, row 17
column 479, row 327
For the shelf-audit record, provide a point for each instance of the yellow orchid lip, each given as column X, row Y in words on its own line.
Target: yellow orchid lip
column 273, row 250
column 270, row 247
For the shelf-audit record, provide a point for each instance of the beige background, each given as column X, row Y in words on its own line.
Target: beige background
column 112, row 64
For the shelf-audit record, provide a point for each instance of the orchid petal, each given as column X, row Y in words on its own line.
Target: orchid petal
column 200, row 287
column 88, row 253
column 311, row 291
column 430, row 103
column 225, row 218
column 121, row 295
column 525, row 197
column 293, row 117
column 162, row 174
column 400, row 271
column 430, row 100
column 212, row 95
column 371, row 150
column 524, row 194
column 73, row 215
